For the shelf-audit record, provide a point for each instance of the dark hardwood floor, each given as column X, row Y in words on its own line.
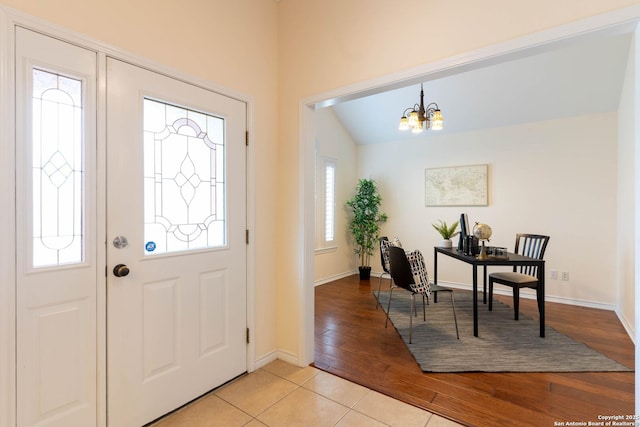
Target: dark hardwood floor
column 352, row 342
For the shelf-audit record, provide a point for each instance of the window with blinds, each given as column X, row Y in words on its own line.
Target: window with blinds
column 325, row 203
column 329, row 201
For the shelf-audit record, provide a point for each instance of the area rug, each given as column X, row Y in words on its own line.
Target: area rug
column 502, row 345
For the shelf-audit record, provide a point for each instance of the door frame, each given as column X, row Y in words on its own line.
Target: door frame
column 9, row 19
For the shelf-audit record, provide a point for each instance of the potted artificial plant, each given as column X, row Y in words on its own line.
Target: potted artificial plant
column 447, row 232
column 365, row 224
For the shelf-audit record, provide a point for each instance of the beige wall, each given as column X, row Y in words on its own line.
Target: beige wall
column 335, row 43
column 230, row 43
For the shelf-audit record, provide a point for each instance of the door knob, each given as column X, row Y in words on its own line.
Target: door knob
column 120, row 270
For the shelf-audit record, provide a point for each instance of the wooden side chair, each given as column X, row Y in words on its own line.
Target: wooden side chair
column 531, row 245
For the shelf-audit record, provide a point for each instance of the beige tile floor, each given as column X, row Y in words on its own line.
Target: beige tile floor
column 281, row 394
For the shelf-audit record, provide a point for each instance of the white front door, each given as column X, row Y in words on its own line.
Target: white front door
column 176, row 250
column 56, row 232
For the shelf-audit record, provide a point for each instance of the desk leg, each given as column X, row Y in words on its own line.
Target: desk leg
column 541, row 291
column 435, row 274
column 475, row 300
column 435, row 266
column 484, row 284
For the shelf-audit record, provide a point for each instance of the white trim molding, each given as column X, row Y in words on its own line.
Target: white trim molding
column 337, row 277
column 7, row 225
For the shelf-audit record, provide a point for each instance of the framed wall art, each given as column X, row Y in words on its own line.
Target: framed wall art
column 457, row 186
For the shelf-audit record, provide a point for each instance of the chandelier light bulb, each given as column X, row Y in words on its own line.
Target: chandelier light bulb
column 404, row 123
column 437, row 120
column 413, row 119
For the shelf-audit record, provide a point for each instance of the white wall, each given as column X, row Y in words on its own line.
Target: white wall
column 555, row 177
column 626, row 190
column 333, row 141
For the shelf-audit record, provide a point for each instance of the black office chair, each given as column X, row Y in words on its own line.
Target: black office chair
column 531, row 245
column 384, row 260
column 406, row 268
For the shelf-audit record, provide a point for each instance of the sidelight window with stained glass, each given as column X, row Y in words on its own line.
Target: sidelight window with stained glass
column 57, row 169
column 184, row 185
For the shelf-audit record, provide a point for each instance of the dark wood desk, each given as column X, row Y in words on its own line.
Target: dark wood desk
column 514, row 259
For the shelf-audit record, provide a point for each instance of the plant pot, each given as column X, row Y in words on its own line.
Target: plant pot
column 365, row 273
column 446, row 243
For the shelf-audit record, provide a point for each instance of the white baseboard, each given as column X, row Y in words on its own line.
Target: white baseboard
column 283, row 355
column 334, row 277
column 628, row 326
column 263, row 361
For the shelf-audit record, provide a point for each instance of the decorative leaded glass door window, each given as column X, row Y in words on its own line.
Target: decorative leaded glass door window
column 57, row 164
column 184, row 185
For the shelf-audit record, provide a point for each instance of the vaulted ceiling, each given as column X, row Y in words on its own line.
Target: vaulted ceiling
column 583, row 78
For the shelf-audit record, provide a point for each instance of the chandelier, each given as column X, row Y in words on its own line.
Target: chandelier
column 418, row 118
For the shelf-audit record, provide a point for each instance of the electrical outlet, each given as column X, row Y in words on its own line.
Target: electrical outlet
column 554, row 274
column 565, row 275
